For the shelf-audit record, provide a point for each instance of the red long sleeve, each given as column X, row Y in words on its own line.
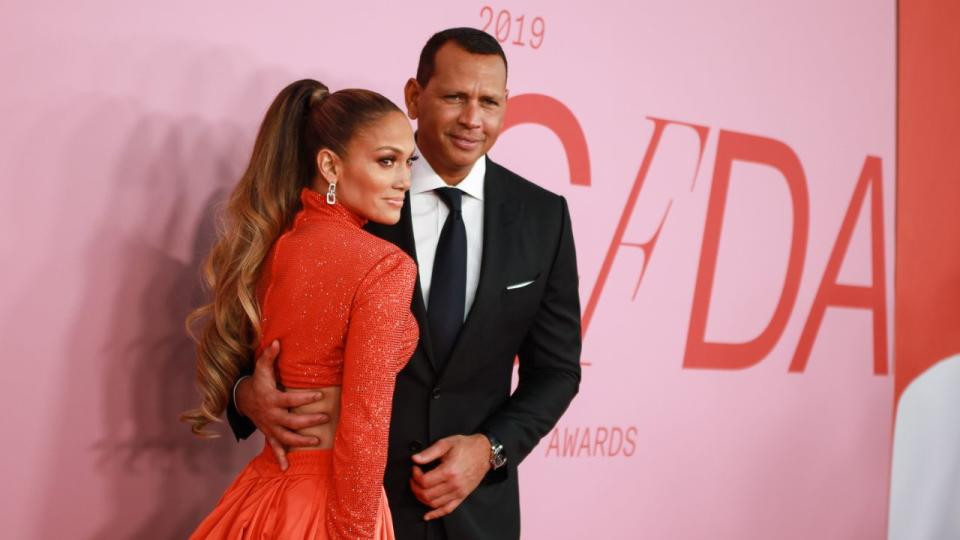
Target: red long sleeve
column 381, row 337
column 338, row 300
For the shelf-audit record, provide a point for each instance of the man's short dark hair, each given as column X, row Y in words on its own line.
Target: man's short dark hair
column 469, row 39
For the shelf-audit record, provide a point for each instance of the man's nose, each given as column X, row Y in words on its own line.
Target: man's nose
column 470, row 115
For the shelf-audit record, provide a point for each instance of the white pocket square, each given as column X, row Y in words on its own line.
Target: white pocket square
column 519, row 285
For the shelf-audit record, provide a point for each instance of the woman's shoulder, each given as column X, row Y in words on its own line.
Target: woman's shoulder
column 388, row 258
column 316, row 238
column 351, row 251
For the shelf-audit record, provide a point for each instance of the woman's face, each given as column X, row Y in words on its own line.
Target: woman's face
column 375, row 173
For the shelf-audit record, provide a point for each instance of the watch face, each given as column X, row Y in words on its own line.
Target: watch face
column 497, row 459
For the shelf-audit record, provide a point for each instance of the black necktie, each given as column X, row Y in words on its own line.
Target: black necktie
column 448, row 285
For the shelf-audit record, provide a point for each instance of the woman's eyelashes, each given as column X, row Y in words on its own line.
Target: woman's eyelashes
column 390, row 161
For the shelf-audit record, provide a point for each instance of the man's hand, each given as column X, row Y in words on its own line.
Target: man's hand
column 465, row 460
column 259, row 400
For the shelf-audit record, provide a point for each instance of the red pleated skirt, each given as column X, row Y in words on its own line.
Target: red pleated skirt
column 265, row 502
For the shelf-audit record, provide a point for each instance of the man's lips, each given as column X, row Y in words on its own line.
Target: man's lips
column 465, row 143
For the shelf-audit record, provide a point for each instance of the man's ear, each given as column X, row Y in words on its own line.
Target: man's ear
column 411, row 95
column 329, row 165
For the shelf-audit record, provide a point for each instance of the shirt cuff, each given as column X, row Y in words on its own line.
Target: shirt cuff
column 235, row 385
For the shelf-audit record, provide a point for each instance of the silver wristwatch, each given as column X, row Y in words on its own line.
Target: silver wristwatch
column 497, row 457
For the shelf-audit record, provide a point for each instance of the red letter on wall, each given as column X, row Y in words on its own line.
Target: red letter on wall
column 555, row 116
column 659, row 125
column 831, row 293
column 731, row 147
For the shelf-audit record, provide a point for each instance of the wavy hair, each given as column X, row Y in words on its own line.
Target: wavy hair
column 304, row 118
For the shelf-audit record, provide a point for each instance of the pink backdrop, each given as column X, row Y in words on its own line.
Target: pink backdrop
column 124, row 125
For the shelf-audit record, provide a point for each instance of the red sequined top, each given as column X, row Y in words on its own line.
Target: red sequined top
column 338, row 300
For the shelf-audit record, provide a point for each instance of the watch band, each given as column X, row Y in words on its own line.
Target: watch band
column 497, row 457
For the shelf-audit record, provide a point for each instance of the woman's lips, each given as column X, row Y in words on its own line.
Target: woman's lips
column 396, row 203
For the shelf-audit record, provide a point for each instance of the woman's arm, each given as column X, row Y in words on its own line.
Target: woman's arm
column 380, row 339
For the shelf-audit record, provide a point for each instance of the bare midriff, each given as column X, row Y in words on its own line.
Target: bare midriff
column 329, row 405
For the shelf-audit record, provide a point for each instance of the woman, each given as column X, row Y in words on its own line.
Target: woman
column 294, row 265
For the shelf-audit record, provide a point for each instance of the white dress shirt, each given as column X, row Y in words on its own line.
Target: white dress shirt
column 429, row 213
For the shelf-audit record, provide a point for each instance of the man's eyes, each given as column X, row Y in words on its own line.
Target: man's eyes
column 456, row 98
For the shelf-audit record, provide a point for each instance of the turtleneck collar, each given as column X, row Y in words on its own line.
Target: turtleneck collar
column 315, row 204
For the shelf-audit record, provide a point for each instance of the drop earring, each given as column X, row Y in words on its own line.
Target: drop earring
column 332, row 193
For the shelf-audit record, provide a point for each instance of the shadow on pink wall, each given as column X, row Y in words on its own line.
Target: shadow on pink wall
column 140, row 275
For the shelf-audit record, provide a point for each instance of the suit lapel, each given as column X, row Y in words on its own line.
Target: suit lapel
column 499, row 213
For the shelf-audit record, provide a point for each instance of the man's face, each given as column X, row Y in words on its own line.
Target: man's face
column 460, row 112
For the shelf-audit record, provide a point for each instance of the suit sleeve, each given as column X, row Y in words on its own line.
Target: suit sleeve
column 382, row 335
column 241, row 426
column 549, row 356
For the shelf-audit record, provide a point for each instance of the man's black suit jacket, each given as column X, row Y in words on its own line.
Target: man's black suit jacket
column 527, row 237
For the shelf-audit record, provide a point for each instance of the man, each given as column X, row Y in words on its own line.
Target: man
column 497, row 281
